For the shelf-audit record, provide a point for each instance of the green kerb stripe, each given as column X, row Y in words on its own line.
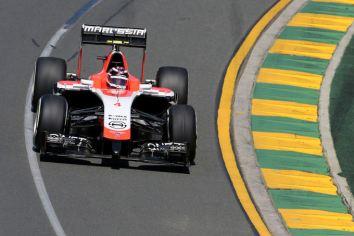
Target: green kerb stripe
column 303, row 64
column 282, row 160
column 286, row 93
column 285, row 125
column 336, row 9
column 318, row 232
column 297, row 199
column 312, row 34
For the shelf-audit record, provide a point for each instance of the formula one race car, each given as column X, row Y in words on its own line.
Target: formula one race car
column 112, row 113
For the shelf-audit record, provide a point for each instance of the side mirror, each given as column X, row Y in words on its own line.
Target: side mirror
column 150, row 81
column 145, row 86
column 71, row 76
column 102, row 58
column 86, row 82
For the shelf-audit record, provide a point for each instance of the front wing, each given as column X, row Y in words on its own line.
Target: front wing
column 150, row 152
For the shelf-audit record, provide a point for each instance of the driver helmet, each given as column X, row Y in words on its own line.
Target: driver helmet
column 117, row 77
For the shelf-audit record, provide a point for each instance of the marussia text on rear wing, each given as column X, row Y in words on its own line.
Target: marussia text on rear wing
column 108, row 35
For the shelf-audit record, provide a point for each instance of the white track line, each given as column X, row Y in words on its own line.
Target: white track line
column 28, row 131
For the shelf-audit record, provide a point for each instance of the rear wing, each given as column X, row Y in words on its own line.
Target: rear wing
column 114, row 36
column 108, row 35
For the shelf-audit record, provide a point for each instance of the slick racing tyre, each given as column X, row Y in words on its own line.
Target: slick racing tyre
column 51, row 117
column 182, row 127
column 48, row 71
column 176, row 79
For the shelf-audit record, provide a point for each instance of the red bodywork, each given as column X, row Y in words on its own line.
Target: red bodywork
column 100, row 79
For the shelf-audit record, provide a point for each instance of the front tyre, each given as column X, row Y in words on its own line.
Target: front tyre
column 176, row 79
column 48, row 71
column 51, row 117
column 182, row 127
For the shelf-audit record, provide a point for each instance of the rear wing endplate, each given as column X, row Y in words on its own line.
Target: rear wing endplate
column 108, row 35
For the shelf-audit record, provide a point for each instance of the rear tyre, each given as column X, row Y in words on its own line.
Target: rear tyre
column 182, row 127
column 51, row 117
column 176, row 79
column 48, row 71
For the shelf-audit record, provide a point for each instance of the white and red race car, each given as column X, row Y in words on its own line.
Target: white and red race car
column 113, row 113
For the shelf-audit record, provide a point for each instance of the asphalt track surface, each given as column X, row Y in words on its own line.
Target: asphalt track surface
column 91, row 198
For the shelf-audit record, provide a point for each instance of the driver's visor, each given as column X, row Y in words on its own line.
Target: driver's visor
column 118, row 80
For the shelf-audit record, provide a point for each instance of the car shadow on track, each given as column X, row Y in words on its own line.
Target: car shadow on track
column 116, row 164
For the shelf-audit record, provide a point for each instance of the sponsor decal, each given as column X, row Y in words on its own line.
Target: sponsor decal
column 163, row 147
column 117, row 124
column 117, row 118
column 54, row 138
column 117, row 42
column 114, row 30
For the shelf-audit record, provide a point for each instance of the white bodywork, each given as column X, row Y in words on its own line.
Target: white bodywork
column 117, row 111
column 117, row 107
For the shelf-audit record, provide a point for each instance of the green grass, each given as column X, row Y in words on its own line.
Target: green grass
column 342, row 113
